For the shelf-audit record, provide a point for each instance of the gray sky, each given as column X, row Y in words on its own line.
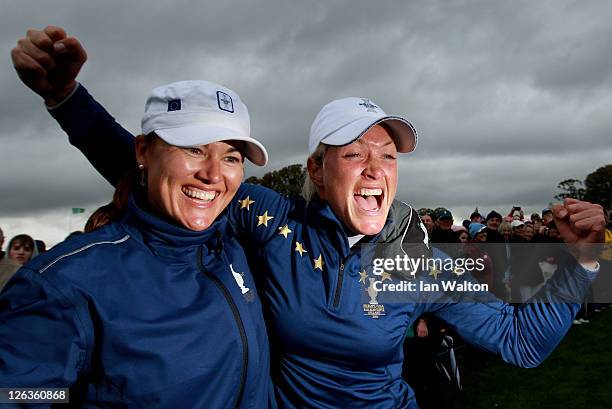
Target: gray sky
column 509, row 98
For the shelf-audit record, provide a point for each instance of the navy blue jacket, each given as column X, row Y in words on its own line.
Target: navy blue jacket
column 139, row 314
column 330, row 347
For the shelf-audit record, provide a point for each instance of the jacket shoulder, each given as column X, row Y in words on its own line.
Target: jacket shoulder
column 77, row 247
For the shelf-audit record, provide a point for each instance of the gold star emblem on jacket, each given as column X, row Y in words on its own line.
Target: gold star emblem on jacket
column 246, row 202
column 363, row 276
column 299, row 248
column 263, row 219
column 284, row 231
column 385, row 276
column 434, row 273
column 318, row 262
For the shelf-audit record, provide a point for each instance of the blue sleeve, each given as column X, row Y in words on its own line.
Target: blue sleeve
column 259, row 213
column 523, row 335
column 107, row 145
column 45, row 336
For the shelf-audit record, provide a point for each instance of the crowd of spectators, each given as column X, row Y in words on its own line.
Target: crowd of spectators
column 520, row 254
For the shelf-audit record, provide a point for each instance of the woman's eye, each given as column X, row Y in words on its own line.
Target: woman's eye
column 193, row 151
column 352, row 155
column 389, row 156
column 232, row 159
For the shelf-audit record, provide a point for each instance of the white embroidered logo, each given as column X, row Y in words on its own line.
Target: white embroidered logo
column 239, row 280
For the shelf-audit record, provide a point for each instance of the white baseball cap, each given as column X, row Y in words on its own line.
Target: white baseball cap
column 517, row 223
column 191, row 113
column 345, row 120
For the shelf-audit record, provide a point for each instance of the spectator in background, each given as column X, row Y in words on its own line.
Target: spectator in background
column 428, row 218
column 547, row 216
column 518, row 227
column 498, row 253
column 516, row 213
column 442, row 236
column 1, row 244
column 464, row 238
column 493, row 221
column 526, row 256
column 475, row 217
column 537, row 222
column 19, row 251
column 503, row 268
column 22, row 249
column 462, row 233
column 41, row 246
column 476, row 250
column 602, row 287
column 8, row 266
column 505, row 230
column 528, row 231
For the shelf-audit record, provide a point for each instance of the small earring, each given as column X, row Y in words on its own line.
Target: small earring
column 143, row 181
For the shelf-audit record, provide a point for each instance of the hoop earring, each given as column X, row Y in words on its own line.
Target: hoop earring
column 143, row 177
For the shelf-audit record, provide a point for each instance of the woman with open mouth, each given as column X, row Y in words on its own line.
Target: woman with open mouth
column 335, row 342
column 158, row 308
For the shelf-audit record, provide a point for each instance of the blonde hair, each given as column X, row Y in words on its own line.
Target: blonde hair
column 309, row 188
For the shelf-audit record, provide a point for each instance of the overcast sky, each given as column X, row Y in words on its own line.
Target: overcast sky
column 508, row 97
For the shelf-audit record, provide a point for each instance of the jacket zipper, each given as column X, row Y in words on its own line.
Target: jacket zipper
column 339, row 285
column 239, row 323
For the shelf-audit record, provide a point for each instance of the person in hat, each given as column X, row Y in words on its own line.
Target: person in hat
column 330, row 348
column 476, row 217
column 462, row 233
column 492, row 221
column 518, row 226
column 442, row 235
column 547, row 216
column 476, row 249
column 157, row 308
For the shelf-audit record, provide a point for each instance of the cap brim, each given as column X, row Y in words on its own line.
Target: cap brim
column 195, row 135
column 404, row 134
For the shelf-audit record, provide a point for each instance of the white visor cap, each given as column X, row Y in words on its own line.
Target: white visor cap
column 192, row 113
column 345, row 120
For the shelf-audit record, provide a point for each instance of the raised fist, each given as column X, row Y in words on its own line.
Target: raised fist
column 582, row 226
column 48, row 62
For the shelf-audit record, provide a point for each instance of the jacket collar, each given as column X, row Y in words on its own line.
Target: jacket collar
column 337, row 230
column 159, row 232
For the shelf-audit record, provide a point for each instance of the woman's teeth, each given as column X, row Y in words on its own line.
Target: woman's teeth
column 204, row 195
column 370, row 192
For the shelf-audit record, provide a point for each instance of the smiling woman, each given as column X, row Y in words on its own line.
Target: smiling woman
column 194, row 184
column 131, row 321
column 359, row 180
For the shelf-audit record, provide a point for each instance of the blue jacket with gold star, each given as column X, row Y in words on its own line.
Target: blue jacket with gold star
column 336, row 341
column 139, row 314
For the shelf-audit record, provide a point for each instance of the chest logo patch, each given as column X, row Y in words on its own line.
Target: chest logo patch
column 239, row 277
column 372, row 308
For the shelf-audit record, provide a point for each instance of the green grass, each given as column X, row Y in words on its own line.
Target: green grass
column 577, row 375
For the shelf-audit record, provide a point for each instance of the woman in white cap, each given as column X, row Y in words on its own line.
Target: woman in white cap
column 336, row 337
column 158, row 308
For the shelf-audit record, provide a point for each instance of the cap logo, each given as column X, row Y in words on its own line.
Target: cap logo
column 370, row 107
column 174, row 105
column 225, row 102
